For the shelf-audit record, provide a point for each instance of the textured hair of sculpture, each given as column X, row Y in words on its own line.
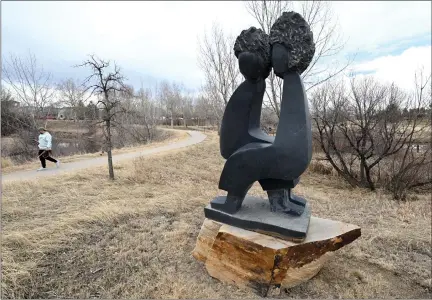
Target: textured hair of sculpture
column 294, row 33
column 255, row 41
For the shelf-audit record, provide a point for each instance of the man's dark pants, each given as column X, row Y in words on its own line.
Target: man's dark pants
column 44, row 155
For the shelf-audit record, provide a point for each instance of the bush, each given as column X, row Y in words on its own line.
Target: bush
column 13, row 121
column 367, row 139
column 6, row 162
column 320, row 168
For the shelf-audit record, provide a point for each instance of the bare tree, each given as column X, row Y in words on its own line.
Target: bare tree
column 219, row 64
column 137, row 116
column 106, row 83
column 30, row 83
column 361, row 129
column 148, row 109
column 12, row 119
column 204, row 110
column 211, row 99
column 18, row 123
column 71, row 94
column 269, row 120
column 412, row 167
column 170, row 96
column 186, row 105
column 122, row 122
column 328, row 42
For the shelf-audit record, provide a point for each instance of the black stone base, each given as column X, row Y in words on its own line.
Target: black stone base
column 255, row 215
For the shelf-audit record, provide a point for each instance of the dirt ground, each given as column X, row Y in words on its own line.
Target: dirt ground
column 83, row 236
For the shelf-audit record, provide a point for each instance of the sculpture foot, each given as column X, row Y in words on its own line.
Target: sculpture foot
column 280, row 201
column 296, row 199
column 229, row 204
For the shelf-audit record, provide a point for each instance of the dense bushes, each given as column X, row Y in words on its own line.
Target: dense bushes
column 12, row 121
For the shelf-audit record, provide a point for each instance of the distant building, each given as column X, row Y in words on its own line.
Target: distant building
column 51, row 111
column 29, row 109
column 41, row 113
column 10, row 105
column 67, row 113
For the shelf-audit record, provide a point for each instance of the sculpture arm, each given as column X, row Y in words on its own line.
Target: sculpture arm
column 241, row 120
column 294, row 128
column 235, row 120
column 257, row 135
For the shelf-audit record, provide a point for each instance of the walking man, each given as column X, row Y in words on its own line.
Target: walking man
column 45, row 144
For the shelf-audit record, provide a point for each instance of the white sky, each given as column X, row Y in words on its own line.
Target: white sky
column 153, row 40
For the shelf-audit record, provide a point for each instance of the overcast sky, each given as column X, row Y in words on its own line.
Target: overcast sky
column 153, row 41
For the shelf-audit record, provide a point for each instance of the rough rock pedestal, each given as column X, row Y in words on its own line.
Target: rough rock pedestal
column 264, row 263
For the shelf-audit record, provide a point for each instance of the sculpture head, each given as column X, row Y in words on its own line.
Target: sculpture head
column 292, row 45
column 252, row 49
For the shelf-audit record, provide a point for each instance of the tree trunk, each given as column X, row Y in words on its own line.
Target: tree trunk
column 363, row 159
column 149, row 135
column 362, row 172
column 109, row 150
column 370, row 182
column 172, row 120
column 46, row 117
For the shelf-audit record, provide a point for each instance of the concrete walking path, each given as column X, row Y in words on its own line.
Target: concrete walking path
column 195, row 137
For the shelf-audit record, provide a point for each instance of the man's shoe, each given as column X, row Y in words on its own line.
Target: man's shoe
column 58, row 164
column 40, row 169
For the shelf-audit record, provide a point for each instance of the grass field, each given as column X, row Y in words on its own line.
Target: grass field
column 68, row 126
column 83, row 236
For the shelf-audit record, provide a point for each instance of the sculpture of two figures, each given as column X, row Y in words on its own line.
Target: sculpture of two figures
column 252, row 155
column 232, row 252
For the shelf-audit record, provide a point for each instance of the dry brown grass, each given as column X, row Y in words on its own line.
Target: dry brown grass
column 6, row 162
column 67, row 126
column 319, row 167
column 83, row 236
column 173, row 137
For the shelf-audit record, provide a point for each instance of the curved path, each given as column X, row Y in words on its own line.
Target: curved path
column 195, row 137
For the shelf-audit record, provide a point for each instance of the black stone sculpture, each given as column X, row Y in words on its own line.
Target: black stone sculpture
column 252, row 155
